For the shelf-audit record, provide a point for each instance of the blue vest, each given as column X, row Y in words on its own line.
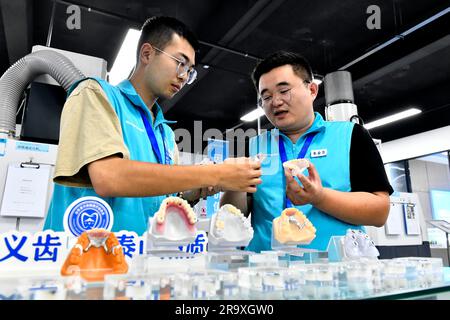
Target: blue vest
column 129, row 213
column 333, row 169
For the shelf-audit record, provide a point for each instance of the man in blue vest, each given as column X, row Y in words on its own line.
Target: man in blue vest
column 116, row 144
column 346, row 185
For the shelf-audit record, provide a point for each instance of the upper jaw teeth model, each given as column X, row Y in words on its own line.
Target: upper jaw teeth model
column 96, row 253
column 230, row 227
column 174, row 221
column 357, row 244
column 296, row 166
column 292, row 227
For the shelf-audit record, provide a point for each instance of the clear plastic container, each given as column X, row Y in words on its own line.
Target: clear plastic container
column 428, row 271
column 138, row 287
column 52, row 288
column 262, row 282
column 205, row 285
column 359, row 279
column 293, row 284
column 394, row 275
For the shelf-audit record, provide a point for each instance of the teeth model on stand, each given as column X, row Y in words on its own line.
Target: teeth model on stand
column 174, row 221
column 292, row 227
column 230, row 226
column 358, row 244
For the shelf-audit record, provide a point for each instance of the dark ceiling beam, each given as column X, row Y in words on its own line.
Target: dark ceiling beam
column 396, row 65
column 17, row 21
column 239, row 53
column 320, row 103
column 244, row 27
column 398, row 37
column 249, row 21
column 406, row 60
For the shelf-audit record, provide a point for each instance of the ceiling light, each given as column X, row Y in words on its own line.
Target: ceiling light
column 126, row 58
column 394, row 117
column 253, row 115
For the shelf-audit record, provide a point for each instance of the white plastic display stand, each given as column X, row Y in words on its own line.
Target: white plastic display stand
column 161, row 246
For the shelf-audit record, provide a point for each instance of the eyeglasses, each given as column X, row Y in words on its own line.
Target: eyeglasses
column 284, row 94
column 182, row 68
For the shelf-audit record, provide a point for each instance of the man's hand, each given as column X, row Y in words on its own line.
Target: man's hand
column 239, row 174
column 310, row 193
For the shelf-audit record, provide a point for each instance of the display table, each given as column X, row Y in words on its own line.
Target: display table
column 255, row 277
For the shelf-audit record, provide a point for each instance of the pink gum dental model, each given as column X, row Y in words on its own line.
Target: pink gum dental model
column 176, row 205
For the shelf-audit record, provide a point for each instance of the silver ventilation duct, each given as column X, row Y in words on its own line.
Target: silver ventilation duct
column 19, row 75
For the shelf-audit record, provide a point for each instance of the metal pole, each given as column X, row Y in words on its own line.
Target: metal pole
column 448, row 250
column 259, row 125
column 240, row 53
column 50, row 27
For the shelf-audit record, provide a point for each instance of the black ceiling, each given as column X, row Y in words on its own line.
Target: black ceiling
column 412, row 71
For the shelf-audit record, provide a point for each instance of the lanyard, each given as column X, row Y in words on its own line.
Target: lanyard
column 153, row 141
column 301, row 155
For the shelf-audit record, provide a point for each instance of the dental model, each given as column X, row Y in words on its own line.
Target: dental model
column 175, row 220
column 260, row 157
column 230, row 227
column 357, row 244
column 351, row 246
column 292, row 228
column 296, row 166
column 96, row 253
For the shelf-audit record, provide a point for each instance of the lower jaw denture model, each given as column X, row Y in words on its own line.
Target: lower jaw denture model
column 96, row 253
column 230, row 228
column 358, row 244
column 293, row 228
column 174, row 222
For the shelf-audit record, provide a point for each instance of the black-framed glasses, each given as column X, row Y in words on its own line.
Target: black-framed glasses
column 284, row 94
column 183, row 68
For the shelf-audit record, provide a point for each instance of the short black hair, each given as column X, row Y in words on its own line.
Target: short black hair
column 277, row 59
column 158, row 31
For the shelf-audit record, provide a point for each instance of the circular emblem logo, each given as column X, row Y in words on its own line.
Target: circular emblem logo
column 87, row 213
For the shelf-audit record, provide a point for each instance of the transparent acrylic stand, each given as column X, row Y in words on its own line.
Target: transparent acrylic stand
column 336, row 249
column 227, row 255
column 228, row 259
column 291, row 254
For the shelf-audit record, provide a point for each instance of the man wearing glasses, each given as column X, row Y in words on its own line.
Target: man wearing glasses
column 345, row 185
column 116, row 144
